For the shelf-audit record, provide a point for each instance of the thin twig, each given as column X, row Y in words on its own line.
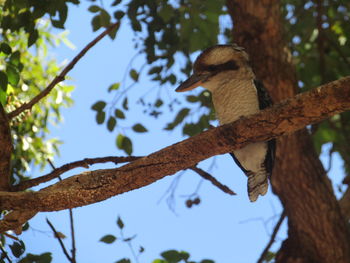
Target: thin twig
column 61, row 76
column 10, row 236
column 273, row 236
column 210, row 178
column 69, row 166
column 73, row 250
column 5, row 254
column 59, row 240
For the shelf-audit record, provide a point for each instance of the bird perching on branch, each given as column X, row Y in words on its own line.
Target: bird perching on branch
column 225, row 71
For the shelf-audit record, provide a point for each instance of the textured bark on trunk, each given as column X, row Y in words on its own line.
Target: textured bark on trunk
column 5, row 150
column 317, row 230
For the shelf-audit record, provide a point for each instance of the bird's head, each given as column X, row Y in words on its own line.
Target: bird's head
column 216, row 66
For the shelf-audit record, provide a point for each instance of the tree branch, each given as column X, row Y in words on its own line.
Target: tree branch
column 69, row 166
column 61, row 76
column 273, row 236
column 56, row 235
column 94, row 186
column 213, row 180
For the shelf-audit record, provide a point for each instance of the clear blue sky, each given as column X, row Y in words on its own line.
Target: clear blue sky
column 223, row 228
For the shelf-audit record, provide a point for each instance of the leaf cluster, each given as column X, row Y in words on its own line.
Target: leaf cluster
column 318, row 34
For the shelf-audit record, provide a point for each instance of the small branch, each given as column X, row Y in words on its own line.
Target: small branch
column 59, row 240
column 210, row 178
column 94, row 186
column 61, row 76
column 273, row 236
column 69, row 166
column 74, row 249
column 10, row 236
column 5, row 254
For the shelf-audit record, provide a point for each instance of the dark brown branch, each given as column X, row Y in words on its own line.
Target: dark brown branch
column 212, row 179
column 5, row 150
column 272, row 238
column 94, row 186
column 57, row 235
column 69, row 166
column 61, row 76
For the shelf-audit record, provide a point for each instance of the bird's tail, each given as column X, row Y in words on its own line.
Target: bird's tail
column 257, row 184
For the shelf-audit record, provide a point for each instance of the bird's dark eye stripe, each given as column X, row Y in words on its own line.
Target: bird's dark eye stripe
column 229, row 65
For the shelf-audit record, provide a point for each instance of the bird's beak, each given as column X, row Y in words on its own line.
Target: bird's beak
column 192, row 82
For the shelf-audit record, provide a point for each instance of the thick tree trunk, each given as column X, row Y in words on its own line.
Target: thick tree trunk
column 317, row 231
column 5, row 150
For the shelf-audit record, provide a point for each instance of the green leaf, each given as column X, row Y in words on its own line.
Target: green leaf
column 178, row 119
column 17, row 248
column 139, row 128
column 3, row 97
column 119, row 114
column 114, row 86
column 94, row 9
column 118, row 14
column 113, row 32
column 120, row 223
column 99, row 106
column 116, row 2
column 134, row 75
column 172, row 256
column 15, row 58
column 31, row 258
column 207, row 261
column 125, row 104
column 155, row 70
column 123, row 260
column 12, row 74
column 3, row 81
column 105, row 18
column 96, row 23
column 192, row 98
column 5, row 48
column 158, row 103
column 111, row 123
column 100, row 117
column 33, row 37
column 108, row 239
column 124, row 143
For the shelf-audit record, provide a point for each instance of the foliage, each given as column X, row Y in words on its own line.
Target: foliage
column 24, row 73
column 163, row 31
column 169, row 256
column 30, row 73
column 318, row 34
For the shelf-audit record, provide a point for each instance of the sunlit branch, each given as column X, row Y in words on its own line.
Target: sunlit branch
column 61, row 76
column 69, row 166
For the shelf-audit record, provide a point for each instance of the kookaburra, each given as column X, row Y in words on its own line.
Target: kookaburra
column 225, row 71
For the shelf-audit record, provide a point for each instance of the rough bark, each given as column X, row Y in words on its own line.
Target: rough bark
column 5, row 150
column 317, row 230
column 94, row 186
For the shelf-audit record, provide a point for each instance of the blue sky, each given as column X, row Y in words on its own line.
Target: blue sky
column 222, row 227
